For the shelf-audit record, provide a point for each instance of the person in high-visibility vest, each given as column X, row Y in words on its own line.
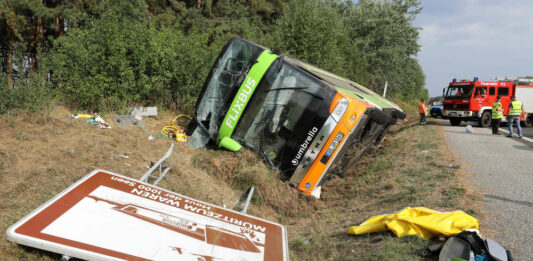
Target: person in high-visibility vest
column 516, row 108
column 497, row 115
column 423, row 110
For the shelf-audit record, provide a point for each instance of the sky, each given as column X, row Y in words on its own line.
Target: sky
column 467, row 38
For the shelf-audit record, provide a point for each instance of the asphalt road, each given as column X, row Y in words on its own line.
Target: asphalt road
column 527, row 132
column 503, row 169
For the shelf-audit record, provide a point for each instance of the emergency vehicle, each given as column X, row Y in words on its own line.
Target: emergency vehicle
column 471, row 100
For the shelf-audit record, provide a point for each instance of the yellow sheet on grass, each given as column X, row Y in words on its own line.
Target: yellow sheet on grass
column 424, row 222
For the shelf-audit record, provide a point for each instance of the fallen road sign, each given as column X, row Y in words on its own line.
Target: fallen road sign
column 105, row 216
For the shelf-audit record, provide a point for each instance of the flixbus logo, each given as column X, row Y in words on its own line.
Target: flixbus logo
column 310, row 135
column 240, row 103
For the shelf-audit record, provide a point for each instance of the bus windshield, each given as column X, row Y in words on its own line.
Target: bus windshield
column 459, row 91
column 287, row 105
column 223, row 82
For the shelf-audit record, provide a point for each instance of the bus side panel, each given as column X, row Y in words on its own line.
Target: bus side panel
column 319, row 169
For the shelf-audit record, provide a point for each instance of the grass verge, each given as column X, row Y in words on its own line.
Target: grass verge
column 41, row 154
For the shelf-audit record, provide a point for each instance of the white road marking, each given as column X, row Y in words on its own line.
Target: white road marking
column 523, row 137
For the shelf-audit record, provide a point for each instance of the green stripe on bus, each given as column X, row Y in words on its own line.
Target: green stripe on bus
column 245, row 93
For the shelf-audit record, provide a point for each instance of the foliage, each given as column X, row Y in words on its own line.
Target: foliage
column 314, row 31
column 118, row 63
column 24, row 96
column 388, row 41
column 30, row 89
column 107, row 55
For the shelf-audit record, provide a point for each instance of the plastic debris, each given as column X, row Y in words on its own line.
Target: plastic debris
column 98, row 121
column 316, row 192
column 124, row 156
column 453, row 166
column 125, row 121
column 173, row 131
column 86, row 116
column 469, row 245
column 93, row 119
column 425, row 151
column 423, row 222
column 144, row 111
column 469, row 129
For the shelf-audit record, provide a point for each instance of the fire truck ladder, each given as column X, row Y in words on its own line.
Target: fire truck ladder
column 162, row 166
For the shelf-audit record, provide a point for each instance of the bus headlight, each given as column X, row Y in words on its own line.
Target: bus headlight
column 340, row 109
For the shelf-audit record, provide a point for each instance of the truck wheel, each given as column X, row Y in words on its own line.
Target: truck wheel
column 529, row 120
column 486, row 118
column 455, row 121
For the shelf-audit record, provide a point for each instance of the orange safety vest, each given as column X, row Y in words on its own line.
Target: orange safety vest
column 422, row 107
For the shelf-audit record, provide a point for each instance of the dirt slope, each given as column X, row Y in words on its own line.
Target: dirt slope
column 42, row 154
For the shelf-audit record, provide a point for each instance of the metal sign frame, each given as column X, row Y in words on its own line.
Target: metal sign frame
column 106, row 216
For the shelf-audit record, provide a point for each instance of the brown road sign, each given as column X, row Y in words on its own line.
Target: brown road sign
column 105, row 216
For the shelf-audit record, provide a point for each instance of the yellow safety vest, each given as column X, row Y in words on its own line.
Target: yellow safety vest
column 516, row 110
column 495, row 113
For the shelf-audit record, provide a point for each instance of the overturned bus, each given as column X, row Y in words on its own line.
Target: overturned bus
column 303, row 121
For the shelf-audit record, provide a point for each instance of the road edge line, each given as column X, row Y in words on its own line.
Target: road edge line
column 523, row 137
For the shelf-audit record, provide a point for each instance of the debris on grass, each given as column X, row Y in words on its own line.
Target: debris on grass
column 423, row 222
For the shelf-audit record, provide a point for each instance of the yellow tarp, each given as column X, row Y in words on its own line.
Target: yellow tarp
column 420, row 221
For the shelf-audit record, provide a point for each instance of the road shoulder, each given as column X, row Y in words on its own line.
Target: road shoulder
column 502, row 168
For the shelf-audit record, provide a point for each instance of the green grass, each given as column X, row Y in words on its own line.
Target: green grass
column 425, row 145
column 300, row 243
column 451, row 196
column 393, row 248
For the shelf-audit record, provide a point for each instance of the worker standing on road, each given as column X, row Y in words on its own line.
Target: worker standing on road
column 516, row 108
column 497, row 114
column 423, row 110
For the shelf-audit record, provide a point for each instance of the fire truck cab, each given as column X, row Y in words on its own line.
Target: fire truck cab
column 467, row 100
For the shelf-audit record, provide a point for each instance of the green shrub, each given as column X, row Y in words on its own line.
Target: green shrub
column 120, row 61
column 31, row 93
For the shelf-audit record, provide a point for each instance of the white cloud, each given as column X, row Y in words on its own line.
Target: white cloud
column 475, row 38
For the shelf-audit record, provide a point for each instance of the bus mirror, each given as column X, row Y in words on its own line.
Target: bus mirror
column 229, row 144
column 443, row 91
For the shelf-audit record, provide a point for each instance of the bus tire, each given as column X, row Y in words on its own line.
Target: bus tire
column 486, row 118
column 455, row 121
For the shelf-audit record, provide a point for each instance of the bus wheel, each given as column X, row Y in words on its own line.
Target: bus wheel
column 529, row 120
column 485, row 119
column 455, row 121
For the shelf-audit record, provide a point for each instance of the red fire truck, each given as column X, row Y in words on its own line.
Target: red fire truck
column 471, row 100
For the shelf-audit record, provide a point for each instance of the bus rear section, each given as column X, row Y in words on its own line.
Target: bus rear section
column 297, row 122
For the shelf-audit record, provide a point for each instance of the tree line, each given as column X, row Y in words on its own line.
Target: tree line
column 104, row 55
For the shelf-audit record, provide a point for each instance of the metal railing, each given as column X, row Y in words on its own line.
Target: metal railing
column 163, row 165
